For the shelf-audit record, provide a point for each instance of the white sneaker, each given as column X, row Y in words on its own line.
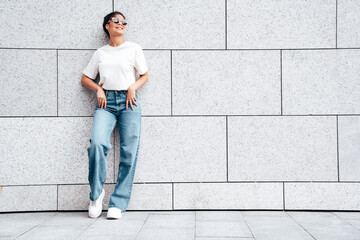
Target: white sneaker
column 114, row 213
column 95, row 207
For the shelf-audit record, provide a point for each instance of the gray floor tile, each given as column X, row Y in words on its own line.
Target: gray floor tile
column 170, row 221
column 224, row 238
column 69, row 218
column 14, row 224
column 59, row 232
column 276, row 227
column 348, row 215
column 219, row 216
column 264, row 213
column 117, row 227
column 222, row 229
column 326, row 226
column 161, row 233
column 187, row 225
column 355, row 223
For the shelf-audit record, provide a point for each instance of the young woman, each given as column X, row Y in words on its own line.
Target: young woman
column 117, row 103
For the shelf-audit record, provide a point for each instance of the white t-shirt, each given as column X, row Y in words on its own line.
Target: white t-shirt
column 117, row 65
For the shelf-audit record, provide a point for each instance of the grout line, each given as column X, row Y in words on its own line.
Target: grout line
column 195, row 115
column 198, row 49
column 57, row 83
column 225, row 24
column 57, row 197
column 142, row 226
column 337, row 147
column 281, row 91
column 227, row 149
column 172, row 190
column 336, row 28
column 299, row 223
column 195, row 225
column 283, row 195
column 213, row 182
column 171, row 94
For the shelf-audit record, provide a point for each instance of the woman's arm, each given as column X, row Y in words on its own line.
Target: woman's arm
column 140, row 82
column 130, row 98
column 90, row 84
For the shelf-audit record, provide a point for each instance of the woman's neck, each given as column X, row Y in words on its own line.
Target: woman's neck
column 116, row 42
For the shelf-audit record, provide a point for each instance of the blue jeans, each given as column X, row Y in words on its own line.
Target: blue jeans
column 104, row 122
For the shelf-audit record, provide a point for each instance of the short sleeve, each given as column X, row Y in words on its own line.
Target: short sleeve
column 92, row 68
column 140, row 62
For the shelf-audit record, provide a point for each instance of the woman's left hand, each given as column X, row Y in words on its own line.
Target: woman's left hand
column 130, row 98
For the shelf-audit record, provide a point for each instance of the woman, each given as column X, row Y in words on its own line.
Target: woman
column 117, row 103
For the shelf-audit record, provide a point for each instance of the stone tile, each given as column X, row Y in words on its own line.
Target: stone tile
column 77, row 197
column 165, row 226
column 265, row 213
column 151, row 197
column 15, row 224
column 349, row 151
column 348, row 215
column 173, row 212
column 348, row 32
column 45, row 25
column 322, row 196
column 105, row 237
column 325, row 226
column 68, row 219
column 224, row 216
column 74, row 98
column 231, row 89
column 28, row 86
column 181, row 24
column 228, row 196
column 127, row 226
column 27, row 198
column 50, row 232
column 155, row 233
column 321, row 81
column 222, row 229
column 77, row 100
column 186, row 153
column 281, row 24
column 170, row 221
column 155, row 94
column 354, row 223
column 221, row 238
column 276, row 228
column 143, row 196
column 282, row 148
column 46, row 151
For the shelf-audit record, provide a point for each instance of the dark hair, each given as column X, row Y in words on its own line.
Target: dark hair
column 107, row 19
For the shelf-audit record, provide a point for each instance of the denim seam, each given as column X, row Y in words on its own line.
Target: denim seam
column 133, row 171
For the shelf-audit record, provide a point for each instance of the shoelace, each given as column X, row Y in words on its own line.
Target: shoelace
column 93, row 203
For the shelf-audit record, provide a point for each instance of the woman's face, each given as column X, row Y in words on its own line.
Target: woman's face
column 115, row 29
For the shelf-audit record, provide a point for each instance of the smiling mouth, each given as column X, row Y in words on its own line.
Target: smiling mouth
column 119, row 28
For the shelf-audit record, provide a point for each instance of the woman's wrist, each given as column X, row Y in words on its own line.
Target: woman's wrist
column 98, row 88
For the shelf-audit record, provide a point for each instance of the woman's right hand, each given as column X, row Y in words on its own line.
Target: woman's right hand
column 101, row 97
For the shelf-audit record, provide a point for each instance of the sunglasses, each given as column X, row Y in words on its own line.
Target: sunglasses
column 116, row 20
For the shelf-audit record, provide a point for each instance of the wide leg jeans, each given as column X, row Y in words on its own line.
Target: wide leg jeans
column 104, row 122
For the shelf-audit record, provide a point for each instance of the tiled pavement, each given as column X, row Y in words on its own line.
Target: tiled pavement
column 174, row 225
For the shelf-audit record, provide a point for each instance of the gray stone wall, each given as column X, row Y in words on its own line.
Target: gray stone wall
column 249, row 104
